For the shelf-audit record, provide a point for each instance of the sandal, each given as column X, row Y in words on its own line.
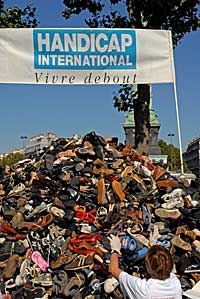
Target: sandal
column 85, row 248
column 39, row 261
column 128, row 244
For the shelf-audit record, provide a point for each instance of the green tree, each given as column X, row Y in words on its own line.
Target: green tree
column 15, row 17
column 173, row 154
column 11, row 159
column 180, row 16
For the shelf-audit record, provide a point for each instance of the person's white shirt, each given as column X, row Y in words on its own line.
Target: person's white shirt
column 137, row 288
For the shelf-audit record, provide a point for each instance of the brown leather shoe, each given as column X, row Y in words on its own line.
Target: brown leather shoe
column 127, row 171
column 159, row 171
column 63, row 259
column 85, row 248
column 11, row 266
column 58, row 203
column 127, row 150
column 101, row 197
column 101, row 168
column 80, row 262
column 45, row 220
column 117, row 190
column 166, row 184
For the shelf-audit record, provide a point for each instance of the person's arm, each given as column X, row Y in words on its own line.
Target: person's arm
column 115, row 245
column 114, row 265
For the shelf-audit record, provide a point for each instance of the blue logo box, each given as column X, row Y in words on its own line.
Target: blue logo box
column 84, row 49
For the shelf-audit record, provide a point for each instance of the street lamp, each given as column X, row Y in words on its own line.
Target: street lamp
column 171, row 135
column 23, row 140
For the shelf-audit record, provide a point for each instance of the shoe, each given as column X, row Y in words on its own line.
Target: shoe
column 73, row 285
column 127, row 171
column 110, row 284
column 63, row 259
column 194, row 268
column 158, row 172
column 39, row 261
column 80, row 262
column 173, row 203
column 163, row 185
column 178, row 242
column 128, row 244
column 116, row 186
column 45, row 220
column 11, row 267
column 100, row 168
column 164, row 243
column 101, row 197
column 146, row 216
column 44, row 279
column 139, row 255
column 59, row 282
column 164, row 213
column 85, row 248
column 17, row 190
column 25, row 270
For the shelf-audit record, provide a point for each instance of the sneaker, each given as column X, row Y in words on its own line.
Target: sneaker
column 110, row 284
column 193, row 268
column 173, row 203
column 80, row 262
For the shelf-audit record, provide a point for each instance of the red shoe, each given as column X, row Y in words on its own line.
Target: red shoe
column 90, row 238
column 85, row 248
column 7, row 228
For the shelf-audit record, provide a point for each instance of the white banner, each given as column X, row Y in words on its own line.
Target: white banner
column 86, row 56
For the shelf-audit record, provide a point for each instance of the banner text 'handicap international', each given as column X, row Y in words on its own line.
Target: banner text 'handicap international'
column 86, row 56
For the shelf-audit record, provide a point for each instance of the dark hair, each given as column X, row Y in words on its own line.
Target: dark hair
column 159, row 262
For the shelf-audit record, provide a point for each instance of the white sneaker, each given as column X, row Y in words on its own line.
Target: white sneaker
column 110, row 284
column 173, row 203
column 176, row 193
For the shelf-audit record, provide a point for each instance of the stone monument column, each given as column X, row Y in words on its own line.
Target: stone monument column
column 129, row 129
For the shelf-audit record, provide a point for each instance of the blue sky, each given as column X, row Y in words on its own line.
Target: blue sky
column 64, row 110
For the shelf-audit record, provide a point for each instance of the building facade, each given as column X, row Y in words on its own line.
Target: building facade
column 38, row 142
column 192, row 156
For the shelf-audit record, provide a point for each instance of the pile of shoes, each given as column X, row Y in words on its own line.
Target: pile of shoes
column 59, row 207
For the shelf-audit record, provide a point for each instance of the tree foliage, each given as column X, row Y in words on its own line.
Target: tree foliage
column 179, row 16
column 15, row 17
column 173, row 154
column 11, row 159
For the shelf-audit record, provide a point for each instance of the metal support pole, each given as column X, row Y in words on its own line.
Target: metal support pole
column 178, row 127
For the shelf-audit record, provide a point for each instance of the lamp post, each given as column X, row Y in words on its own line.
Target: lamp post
column 171, row 135
column 23, row 140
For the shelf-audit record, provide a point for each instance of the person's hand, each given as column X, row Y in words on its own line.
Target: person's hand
column 115, row 244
